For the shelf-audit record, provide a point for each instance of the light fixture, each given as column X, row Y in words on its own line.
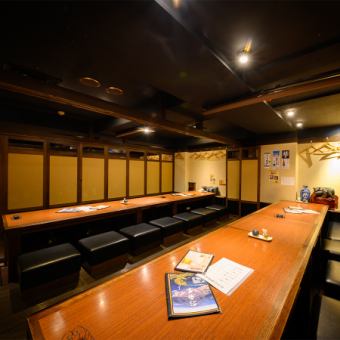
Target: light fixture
column 90, row 82
column 61, row 113
column 299, row 125
column 116, row 91
column 290, row 113
column 244, row 56
column 147, row 130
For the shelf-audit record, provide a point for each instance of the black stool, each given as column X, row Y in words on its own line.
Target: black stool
column 104, row 252
column 142, row 237
column 171, row 229
column 207, row 214
column 192, row 222
column 332, row 247
column 334, row 230
column 221, row 210
column 329, row 316
column 332, row 284
column 52, row 267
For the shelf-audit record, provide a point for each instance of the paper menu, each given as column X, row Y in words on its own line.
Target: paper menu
column 226, row 275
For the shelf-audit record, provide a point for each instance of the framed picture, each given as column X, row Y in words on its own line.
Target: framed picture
column 189, row 295
column 195, row 262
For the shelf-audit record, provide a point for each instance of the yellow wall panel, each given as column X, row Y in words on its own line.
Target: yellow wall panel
column 25, row 180
column 153, row 174
column 117, row 178
column 136, row 178
column 93, row 179
column 233, row 170
column 167, row 177
column 249, row 180
column 63, row 179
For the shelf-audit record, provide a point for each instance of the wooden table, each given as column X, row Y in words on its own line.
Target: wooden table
column 133, row 305
column 48, row 219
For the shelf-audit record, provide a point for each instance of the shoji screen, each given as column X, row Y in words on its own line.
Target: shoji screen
column 249, row 175
column 136, row 174
column 153, row 174
column 117, row 178
column 167, row 173
column 233, row 173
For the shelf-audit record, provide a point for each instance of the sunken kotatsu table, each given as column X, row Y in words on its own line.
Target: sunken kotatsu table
column 33, row 223
column 133, row 305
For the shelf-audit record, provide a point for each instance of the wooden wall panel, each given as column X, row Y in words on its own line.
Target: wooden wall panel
column 93, row 179
column 153, row 173
column 136, row 178
column 233, row 171
column 167, row 178
column 249, row 175
column 25, row 181
column 63, row 180
column 117, row 178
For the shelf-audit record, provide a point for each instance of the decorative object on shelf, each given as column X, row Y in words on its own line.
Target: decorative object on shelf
column 326, row 151
column 305, row 194
column 324, row 195
column 208, row 155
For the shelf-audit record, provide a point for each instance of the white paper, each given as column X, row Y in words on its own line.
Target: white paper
column 226, row 275
column 287, row 180
column 299, row 210
column 84, row 208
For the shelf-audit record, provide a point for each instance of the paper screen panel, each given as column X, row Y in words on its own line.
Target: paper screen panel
column 136, row 178
column 93, row 179
column 63, row 179
column 25, row 181
column 233, row 179
column 249, row 180
column 167, row 177
column 117, row 178
column 153, row 174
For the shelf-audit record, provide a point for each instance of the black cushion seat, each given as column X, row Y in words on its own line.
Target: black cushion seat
column 329, row 316
column 191, row 220
column 48, row 264
column 142, row 236
column 332, row 287
column 334, row 230
column 168, row 225
column 208, row 214
column 333, row 248
column 220, row 209
column 104, row 246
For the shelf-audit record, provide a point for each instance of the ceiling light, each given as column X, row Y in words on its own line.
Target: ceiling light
column 61, row 113
column 90, row 82
column 147, row 130
column 114, row 90
column 299, row 125
column 243, row 58
column 290, row 113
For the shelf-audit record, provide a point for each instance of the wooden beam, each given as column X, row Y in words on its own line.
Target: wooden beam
column 279, row 93
column 66, row 97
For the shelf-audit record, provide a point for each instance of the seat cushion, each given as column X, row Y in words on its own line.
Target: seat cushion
column 334, row 230
column 188, row 216
column 333, row 273
column 203, row 211
column 47, row 264
column 168, row 225
column 217, row 207
column 332, row 246
column 329, row 325
column 104, row 246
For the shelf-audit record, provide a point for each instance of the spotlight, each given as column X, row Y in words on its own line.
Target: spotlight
column 290, row 113
column 299, row 125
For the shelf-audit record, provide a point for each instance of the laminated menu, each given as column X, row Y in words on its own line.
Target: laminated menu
column 195, row 261
column 189, row 295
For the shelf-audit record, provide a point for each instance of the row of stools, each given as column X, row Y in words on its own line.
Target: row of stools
column 110, row 250
column 329, row 316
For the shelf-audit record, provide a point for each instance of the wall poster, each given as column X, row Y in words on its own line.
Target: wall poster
column 274, row 176
column 267, row 160
column 276, row 159
column 285, row 159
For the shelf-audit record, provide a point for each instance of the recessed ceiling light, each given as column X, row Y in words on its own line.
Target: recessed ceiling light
column 299, row 125
column 290, row 113
column 61, row 113
column 147, row 130
column 90, row 82
column 114, row 90
column 243, row 58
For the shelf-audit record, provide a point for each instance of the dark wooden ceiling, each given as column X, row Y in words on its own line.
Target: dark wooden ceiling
column 176, row 61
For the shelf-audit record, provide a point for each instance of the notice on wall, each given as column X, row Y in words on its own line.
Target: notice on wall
column 287, row 180
column 276, row 159
column 285, row 159
column 274, row 176
column 267, row 160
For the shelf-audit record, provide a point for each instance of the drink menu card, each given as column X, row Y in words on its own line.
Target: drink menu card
column 195, row 261
column 226, row 275
column 299, row 210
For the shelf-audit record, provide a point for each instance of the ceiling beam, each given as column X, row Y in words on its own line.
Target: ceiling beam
column 50, row 93
column 282, row 92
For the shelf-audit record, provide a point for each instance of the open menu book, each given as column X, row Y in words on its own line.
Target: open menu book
column 226, row 275
column 84, row 208
column 195, row 261
column 189, row 295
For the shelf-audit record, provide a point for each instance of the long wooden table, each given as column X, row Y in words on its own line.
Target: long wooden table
column 48, row 219
column 133, row 305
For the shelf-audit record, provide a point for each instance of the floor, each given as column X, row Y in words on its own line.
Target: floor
column 14, row 309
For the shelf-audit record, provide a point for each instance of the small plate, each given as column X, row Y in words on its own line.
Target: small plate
column 260, row 237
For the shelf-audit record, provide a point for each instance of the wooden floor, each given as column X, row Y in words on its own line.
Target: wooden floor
column 14, row 309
